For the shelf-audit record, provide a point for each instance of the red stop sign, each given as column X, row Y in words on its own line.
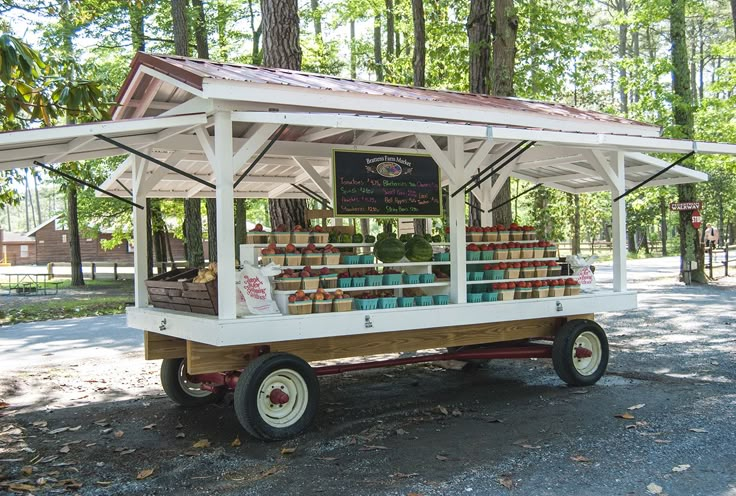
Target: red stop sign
column 697, row 219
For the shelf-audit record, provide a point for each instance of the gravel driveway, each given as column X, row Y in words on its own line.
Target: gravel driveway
column 511, row 428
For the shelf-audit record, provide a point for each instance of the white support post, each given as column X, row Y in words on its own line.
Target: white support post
column 619, row 223
column 458, row 288
column 226, row 302
column 140, row 246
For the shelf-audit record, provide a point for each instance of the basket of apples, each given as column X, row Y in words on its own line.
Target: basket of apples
column 514, row 250
column 539, row 249
column 311, row 255
column 550, row 249
column 517, row 233
column 327, row 279
column 257, row 235
column 530, row 233
column 321, row 301
column 341, row 302
column 487, row 251
column 474, row 233
column 505, row 290
column 501, row 251
column 503, row 233
column 490, row 234
column 523, row 290
column 300, row 235
column 472, row 252
column 527, row 270
column 366, row 301
column 391, row 277
column 373, row 278
column 330, row 255
column 292, row 256
column 572, row 287
column 288, row 280
column 299, row 304
column 318, row 235
column 540, row 289
column 540, row 268
column 310, row 279
column 527, row 250
column 281, row 234
column 556, row 288
column 493, row 272
column 553, row 268
column 272, row 254
column 512, row 270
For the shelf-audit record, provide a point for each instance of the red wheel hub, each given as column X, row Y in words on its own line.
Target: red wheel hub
column 581, row 352
column 278, row 397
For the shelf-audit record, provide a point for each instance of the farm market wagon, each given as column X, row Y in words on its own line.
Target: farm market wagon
column 196, row 128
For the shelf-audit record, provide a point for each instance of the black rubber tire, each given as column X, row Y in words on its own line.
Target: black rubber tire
column 170, row 369
column 562, row 350
column 247, row 392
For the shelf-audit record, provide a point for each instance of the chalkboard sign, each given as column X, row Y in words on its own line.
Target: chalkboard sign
column 373, row 184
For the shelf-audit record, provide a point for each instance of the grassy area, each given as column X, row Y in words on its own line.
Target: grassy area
column 65, row 309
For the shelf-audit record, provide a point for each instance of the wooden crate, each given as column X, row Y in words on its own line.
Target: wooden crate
column 174, row 290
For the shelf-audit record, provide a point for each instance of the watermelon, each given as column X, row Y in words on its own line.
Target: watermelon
column 418, row 249
column 345, row 238
column 333, row 238
column 389, row 250
column 357, row 238
column 405, row 237
column 370, row 239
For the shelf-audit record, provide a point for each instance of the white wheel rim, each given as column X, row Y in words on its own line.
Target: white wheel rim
column 193, row 389
column 288, row 413
column 590, row 342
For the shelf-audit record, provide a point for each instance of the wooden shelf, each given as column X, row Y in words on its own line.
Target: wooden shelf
column 437, row 284
column 526, row 241
column 518, row 279
column 302, row 245
column 367, row 266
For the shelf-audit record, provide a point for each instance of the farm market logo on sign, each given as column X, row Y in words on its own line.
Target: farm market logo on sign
column 389, row 167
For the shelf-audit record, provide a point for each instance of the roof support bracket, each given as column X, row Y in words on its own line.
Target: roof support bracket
column 655, row 176
column 273, row 140
column 314, row 196
column 156, row 161
column 85, row 183
column 528, row 190
column 507, row 158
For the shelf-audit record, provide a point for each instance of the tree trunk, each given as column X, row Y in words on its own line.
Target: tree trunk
column 390, row 31
column 288, row 213
column 733, row 15
column 420, row 48
column 137, row 26
column 75, row 250
column 38, row 199
column 200, row 30
column 365, row 227
column 317, row 18
column 502, row 83
column 473, row 211
column 353, row 57
column 377, row 49
column 663, row 224
column 280, row 23
column 179, row 23
column 631, row 241
column 193, row 232
column 240, row 226
column 683, row 116
column 211, row 207
column 623, row 30
column 255, row 50
column 27, row 201
column 479, row 42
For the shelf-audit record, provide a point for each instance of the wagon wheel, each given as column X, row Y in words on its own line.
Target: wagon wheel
column 276, row 396
column 180, row 389
column 580, row 352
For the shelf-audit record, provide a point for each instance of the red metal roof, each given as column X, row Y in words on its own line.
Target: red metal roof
column 193, row 72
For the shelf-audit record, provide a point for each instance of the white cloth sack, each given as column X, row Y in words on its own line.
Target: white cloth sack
column 582, row 272
column 255, row 290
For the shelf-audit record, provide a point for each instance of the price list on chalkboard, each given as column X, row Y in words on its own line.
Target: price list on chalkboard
column 373, row 184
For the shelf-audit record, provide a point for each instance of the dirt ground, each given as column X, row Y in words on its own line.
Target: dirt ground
column 105, row 427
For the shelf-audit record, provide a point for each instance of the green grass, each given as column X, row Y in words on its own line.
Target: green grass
column 35, row 311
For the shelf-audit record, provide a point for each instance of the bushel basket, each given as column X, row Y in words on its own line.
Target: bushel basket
column 174, row 290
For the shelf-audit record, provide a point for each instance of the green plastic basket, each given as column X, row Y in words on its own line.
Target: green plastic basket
column 351, row 259
column 472, row 256
column 345, row 282
column 490, row 296
column 486, row 255
column 387, row 302
column 441, row 257
column 391, row 279
column 405, row 302
column 441, row 299
column 369, row 304
column 426, row 278
column 411, row 278
column 374, row 280
column 475, row 297
column 358, row 282
column 423, row 301
column 367, row 259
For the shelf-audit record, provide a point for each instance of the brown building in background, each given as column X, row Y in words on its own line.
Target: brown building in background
column 17, row 249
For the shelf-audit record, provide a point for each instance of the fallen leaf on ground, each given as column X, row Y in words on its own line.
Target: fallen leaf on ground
column 399, row 475
column 22, row 487
column 413, row 494
column 180, row 435
column 636, row 407
column 127, row 451
column 442, row 458
column 40, row 423
column 662, row 441
column 580, row 458
column 630, row 426
column 202, row 443
column 697, row 429
column 401, row 432
column 59, row 430
column 118, row 434
column 506, row 482
column 102, row 423
column 104, row 483
column 626, row 416
column 41, row 481
column 529, row 446
column 64, row 449
column 106, row 431
column 75, row 429
column 654, row 488
column 372, row 447
column 27, row 470
column 327, row 458
column 680, row 468
column 494, row 421
column 179, row 426
column 442, row 410
column 148, row 427
column 580, row 391
column 70, row 484
column 456, row 413
column 236, row 442
column 287, row 451
column 271, row 471
column 144, row 474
